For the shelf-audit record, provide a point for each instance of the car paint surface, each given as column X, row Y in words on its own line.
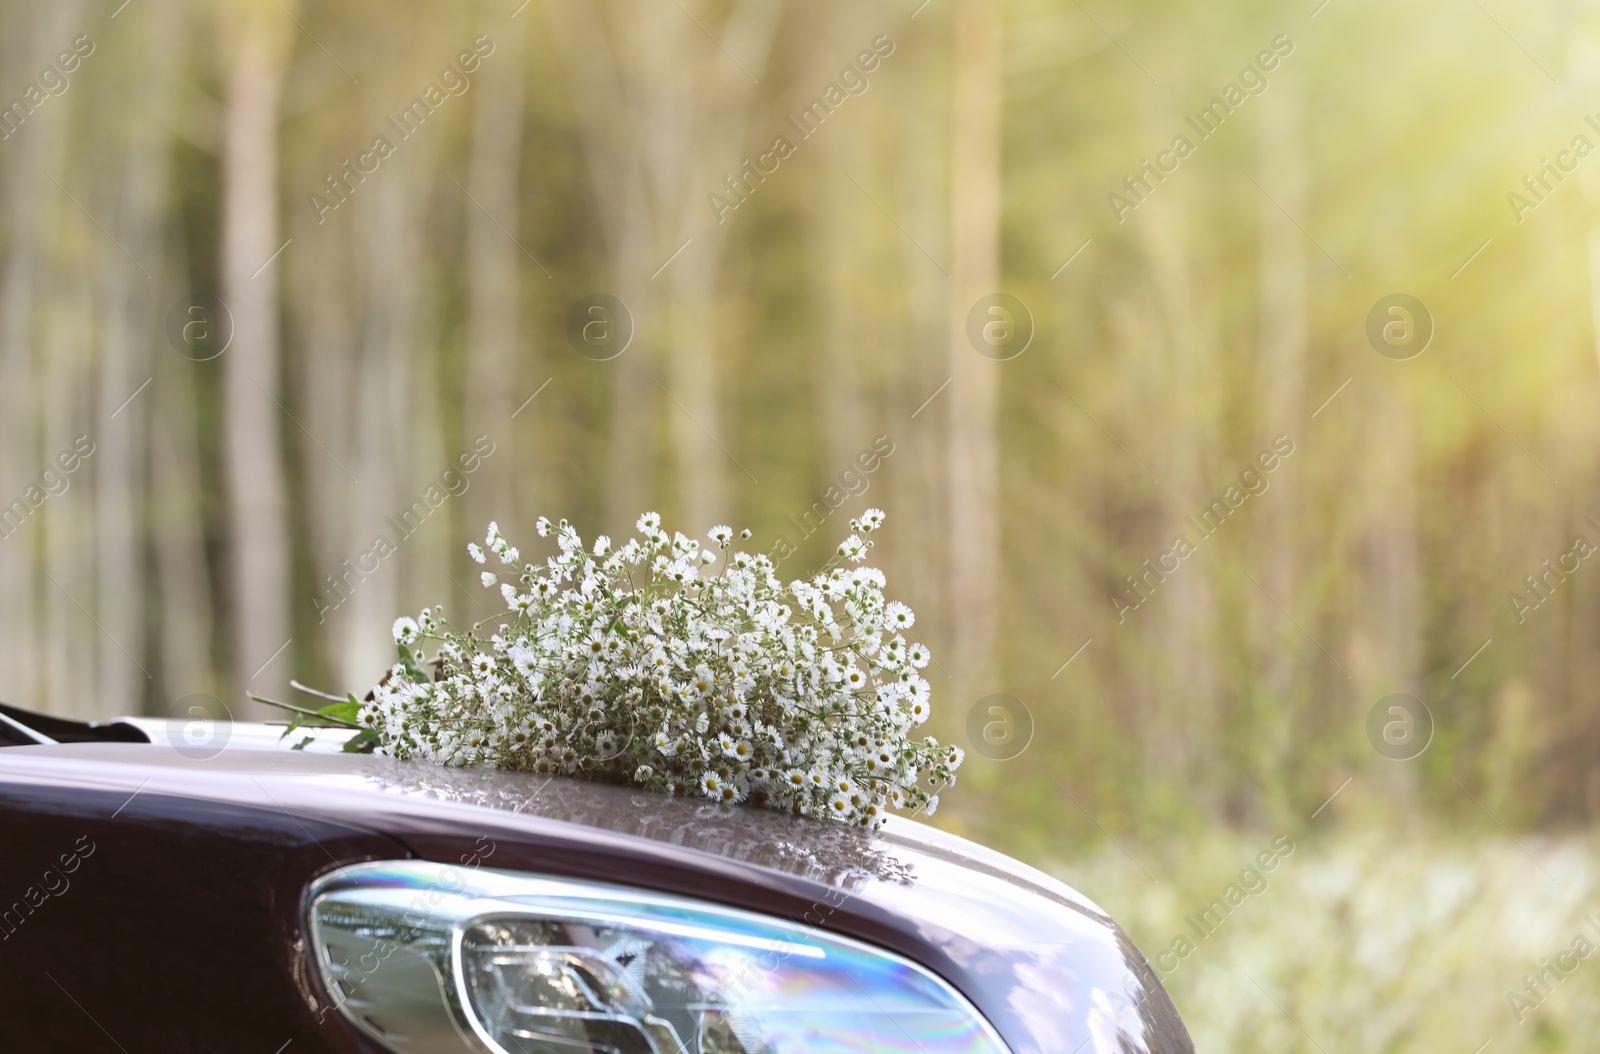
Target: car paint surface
column 182, row 929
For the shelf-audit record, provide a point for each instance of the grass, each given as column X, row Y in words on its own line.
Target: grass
column 1367, row 940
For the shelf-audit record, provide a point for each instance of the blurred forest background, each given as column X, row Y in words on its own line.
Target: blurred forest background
column 282, row 341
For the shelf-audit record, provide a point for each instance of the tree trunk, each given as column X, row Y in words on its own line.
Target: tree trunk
column 177, row 533
column 700, row 465
column 132, row 320
column 841, row 243
column 68, row 530
column 1281, row 388
column 654, row 130
column 496, row 378
column 391, row 434
column 917, row 472
column 973, row 452
column 1179, row 698
column 31, row 206
column 257, row 496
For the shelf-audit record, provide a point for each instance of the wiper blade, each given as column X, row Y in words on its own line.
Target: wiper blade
column 15, row 733
column 20, row 727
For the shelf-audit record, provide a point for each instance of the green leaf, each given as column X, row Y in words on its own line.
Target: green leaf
column 363, row 742
column 414, row 670
column 343, row 713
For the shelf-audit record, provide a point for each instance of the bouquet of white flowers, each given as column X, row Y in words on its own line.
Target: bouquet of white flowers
column 634, row 664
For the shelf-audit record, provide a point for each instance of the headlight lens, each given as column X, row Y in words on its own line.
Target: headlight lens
column 430, row 957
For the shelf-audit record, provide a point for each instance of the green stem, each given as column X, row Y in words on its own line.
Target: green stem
column 327, row 718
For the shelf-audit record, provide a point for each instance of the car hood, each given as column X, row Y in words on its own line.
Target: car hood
column 1050, row 970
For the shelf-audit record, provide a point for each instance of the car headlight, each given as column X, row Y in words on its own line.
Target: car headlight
column 429, row 957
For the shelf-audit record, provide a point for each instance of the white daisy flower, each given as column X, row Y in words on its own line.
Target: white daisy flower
column 806, row 690
column 852, row 548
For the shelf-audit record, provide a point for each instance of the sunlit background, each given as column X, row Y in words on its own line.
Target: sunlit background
column 295, row 298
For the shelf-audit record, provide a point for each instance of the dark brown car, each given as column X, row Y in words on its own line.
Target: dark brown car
column 166, row 892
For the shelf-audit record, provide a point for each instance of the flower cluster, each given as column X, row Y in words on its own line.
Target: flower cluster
column 635, row 663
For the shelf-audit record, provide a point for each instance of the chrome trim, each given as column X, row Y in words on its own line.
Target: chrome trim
column 37, row 737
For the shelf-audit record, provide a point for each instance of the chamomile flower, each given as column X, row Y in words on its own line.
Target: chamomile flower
column 898, row 617
column 852, row 548
column 802, row 694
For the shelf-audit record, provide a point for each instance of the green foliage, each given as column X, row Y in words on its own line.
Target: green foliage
column 1228, row 308
column 1410, row 939
column 334, row 715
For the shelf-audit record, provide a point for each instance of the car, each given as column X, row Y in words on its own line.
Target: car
column 190, row 886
